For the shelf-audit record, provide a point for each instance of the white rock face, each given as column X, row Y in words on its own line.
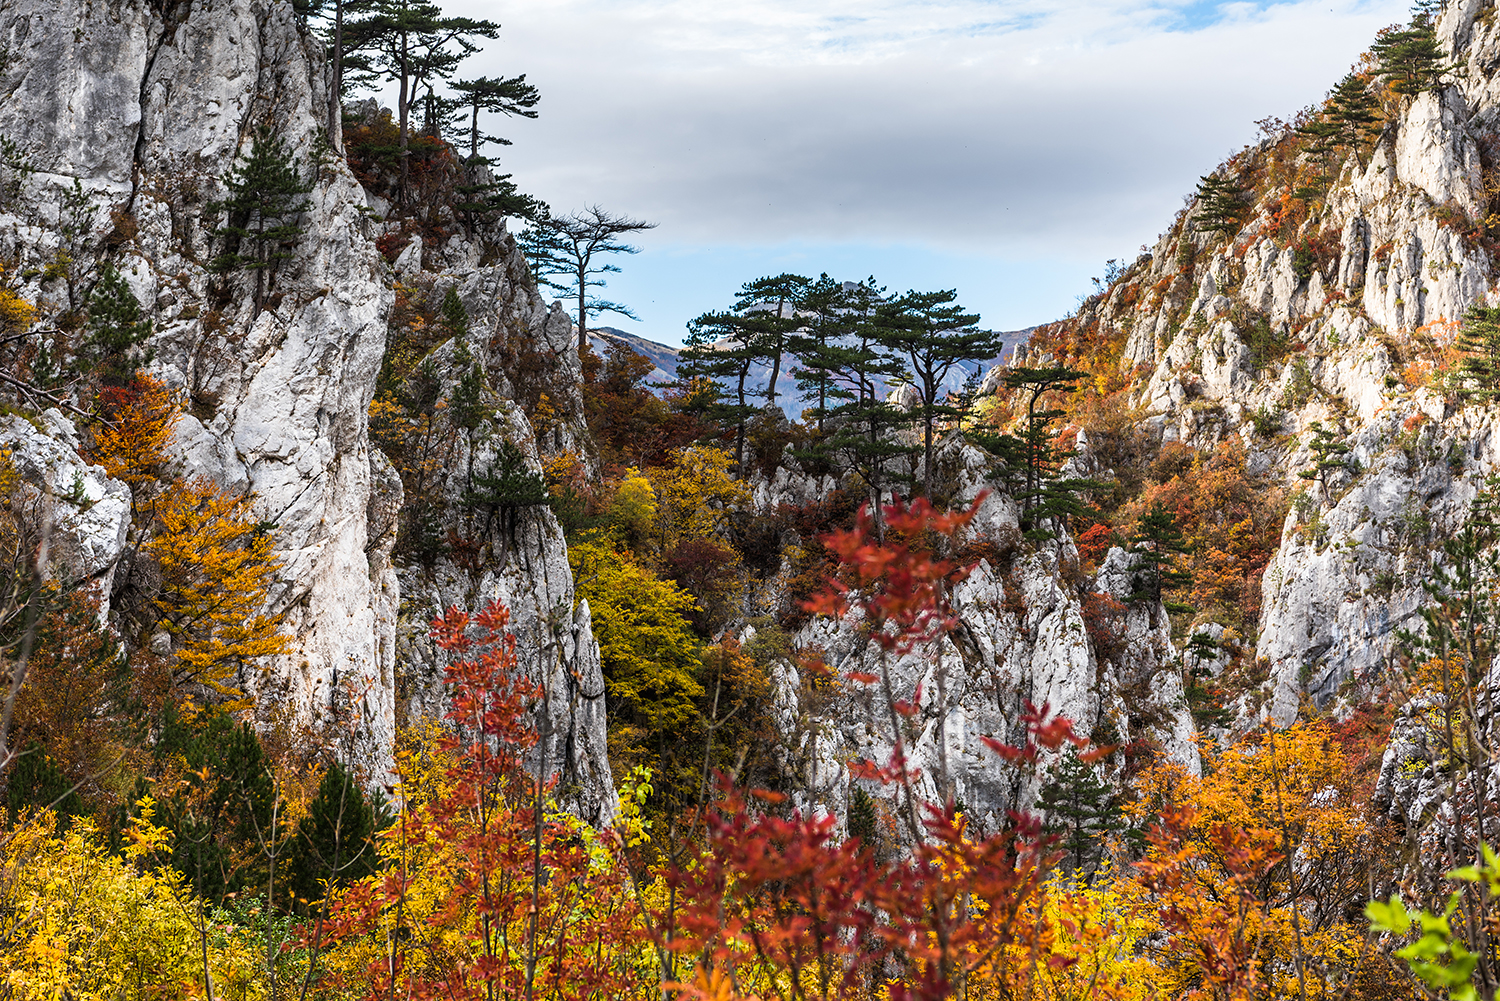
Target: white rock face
column 147, row 116
column 1355, row 321
column 89, row 512
column 1022, row 637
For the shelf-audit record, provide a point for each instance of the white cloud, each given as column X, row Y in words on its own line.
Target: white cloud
column 1031, row 126
column 1019, row 129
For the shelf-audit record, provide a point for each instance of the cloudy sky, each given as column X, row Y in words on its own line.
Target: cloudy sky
column 1005, row 148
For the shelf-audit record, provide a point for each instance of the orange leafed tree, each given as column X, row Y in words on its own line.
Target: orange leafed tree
column 1244, row 921
column 217, row 568
column 134, row 431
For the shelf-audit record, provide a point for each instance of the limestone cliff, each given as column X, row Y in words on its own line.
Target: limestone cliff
column 122, row 121
column 1338, row 309
column 1033, row 627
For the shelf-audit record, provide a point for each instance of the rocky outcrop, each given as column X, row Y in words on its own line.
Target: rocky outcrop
column 84, row 514
column 125, row 120
column 1339, row 311
column 132, row 118
column 1031, row 629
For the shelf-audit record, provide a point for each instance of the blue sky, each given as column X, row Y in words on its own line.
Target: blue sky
column 1006, row 149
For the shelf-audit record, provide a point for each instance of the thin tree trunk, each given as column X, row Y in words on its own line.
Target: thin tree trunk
column 401, row 104
column 336, row 88
column 583, row 285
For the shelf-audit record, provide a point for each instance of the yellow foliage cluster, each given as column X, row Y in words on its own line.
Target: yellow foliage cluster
column 588, row 924
column 217, row 569
column 131, row 441
column 696, row 494
column 16, row 314
column 80, row 923
column 1089, row 942
column 649, row 652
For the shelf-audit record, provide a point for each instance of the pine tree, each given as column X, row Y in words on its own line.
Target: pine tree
column 1157, row 544
column 1479, row 375
column 413, row 44
column 265, row 199
column 335, row 842
column 1330, row 454
column 858, row 369
column 466, row 407
column 1201, row 701
column 545, row 250
column 1354, row 112
column 1081, row 810
column 721, row 348
column 499, row 95
column 863, row 821
column 769, row 308
column 580, row 238
column 221, row 811
column 490, row 197
column 936, row 336
column 1410, row 59
column 509, row 486
column 1031, row 462
column 37, row 782
column 115, row 328
column 1221, row 205
column 826, row 318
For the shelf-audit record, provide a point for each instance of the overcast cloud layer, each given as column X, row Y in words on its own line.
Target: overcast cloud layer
column 1014, row 145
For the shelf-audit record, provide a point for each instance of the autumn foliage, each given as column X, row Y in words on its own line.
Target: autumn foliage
column 487, row 891
column 217, row 569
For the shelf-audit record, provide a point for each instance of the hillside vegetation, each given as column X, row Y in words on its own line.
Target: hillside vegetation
column 363, row 636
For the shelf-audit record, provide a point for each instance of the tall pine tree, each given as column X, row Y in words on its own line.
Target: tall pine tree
column 1157, row 545
column 1030, row 461
column 1081, row 810
column 260, row 213
column 933, row 335
column 1410, row 59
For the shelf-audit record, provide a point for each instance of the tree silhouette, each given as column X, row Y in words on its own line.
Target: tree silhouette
column 583, row 237
column 498, row 95
column 411, row 43
column 935, row 335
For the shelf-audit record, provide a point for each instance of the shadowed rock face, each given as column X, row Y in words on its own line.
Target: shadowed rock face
column 141, row 110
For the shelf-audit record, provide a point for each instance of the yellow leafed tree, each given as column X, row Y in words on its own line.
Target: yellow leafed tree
column 217, row 568
column 79, row 922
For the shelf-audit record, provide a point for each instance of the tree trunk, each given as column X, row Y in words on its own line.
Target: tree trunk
column 581, row 259
column 927, row 419
column 404, row 112
column 336, row 88
column 739, row 437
